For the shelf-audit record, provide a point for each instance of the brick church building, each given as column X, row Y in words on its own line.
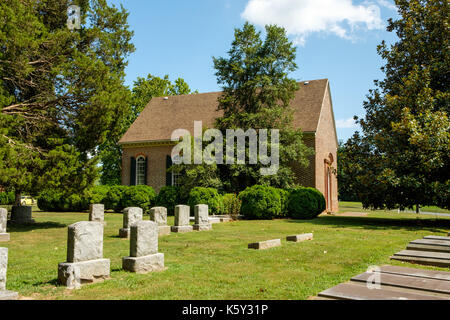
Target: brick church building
column 147, row 145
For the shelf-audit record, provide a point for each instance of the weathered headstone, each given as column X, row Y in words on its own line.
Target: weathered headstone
column 85, row 261
column 5, row 294
column 131, row 215
column 159, row 215
column 97, row 213
column 182, row 213
column 3, row 221
column 300, row 237
column 265, row 244
column 144, row 256
column 202, row 218
column 21, row 215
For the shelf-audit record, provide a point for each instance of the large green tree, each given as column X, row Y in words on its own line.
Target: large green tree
column 401, row 158
column 257, row 92
column 144, row 89
column 61, row 91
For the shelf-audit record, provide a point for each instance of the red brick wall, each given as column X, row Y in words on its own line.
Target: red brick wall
column 306, row 176
column 326, row 143
column 156, row 173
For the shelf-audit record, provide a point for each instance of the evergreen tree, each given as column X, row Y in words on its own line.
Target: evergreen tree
column 61, row 91
column 256, row 95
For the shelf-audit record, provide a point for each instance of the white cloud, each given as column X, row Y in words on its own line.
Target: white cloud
column 346, row 123
column 387, row 4
column 301, row 18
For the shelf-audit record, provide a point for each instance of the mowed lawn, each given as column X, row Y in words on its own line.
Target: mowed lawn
column 217, row 264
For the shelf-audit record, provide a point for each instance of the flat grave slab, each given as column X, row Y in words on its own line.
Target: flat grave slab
column 395, row 283
column 265, row 244
column 300, row 237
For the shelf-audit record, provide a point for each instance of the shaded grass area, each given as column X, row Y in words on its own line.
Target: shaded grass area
column 217, row 264
column 347, row 206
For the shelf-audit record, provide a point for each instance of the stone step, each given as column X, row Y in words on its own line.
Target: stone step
column 437, row 238
column 410, row 282
column 413, row 272
column 438, row 259
column 425, row 247
column 353, row 291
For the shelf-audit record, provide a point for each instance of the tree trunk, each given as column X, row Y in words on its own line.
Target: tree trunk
column 18, row 198
column 417, row 208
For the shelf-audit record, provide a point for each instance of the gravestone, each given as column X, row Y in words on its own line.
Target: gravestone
column 202, row 218
column 144, row 256
column 182, row 213
column 85, row 263
column 5, row 294
column 131, row 215
column 97, row 213
column 21, row 215
column 159, row 216
column 3, row 221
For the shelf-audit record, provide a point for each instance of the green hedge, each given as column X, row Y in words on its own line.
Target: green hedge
column 305, row 203
column 209, row 196
column 7, row 198
column 115, row 197
column 169, row 197
column 51, row 200
column 261, row 202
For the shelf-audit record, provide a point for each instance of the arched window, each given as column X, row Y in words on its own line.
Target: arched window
column 141, row 171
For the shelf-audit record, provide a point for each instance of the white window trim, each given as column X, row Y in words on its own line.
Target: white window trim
column 137, row 169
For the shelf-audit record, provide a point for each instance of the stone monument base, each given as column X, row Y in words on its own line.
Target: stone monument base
column 163, row 230
column 89, row 271
column 21, row 215
column 202, row 227
column 4, row 237
column 181, row 229
column 153, row 262
column 8, row 295
column 124, row 233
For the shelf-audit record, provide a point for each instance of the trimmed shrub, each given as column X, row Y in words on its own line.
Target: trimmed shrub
column 260, row 202
column 284, row 197
column 48, row 200
column 169, row 197
column 231, row 205
column 98, row 194
column 209, row 196
column 322, row 204
column 305, row 203
column 138, row 196
column 114, row 197
column 7, row 198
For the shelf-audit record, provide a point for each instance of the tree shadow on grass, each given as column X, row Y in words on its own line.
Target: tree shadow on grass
column 35, row 226
column 53, row 282
column 374, row 223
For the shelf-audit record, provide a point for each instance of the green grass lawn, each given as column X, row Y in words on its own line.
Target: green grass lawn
column 217, row 264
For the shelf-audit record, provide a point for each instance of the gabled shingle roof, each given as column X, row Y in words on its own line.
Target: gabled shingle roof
column 161, row 117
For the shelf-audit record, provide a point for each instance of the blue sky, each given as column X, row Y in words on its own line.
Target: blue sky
column 336, row 39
